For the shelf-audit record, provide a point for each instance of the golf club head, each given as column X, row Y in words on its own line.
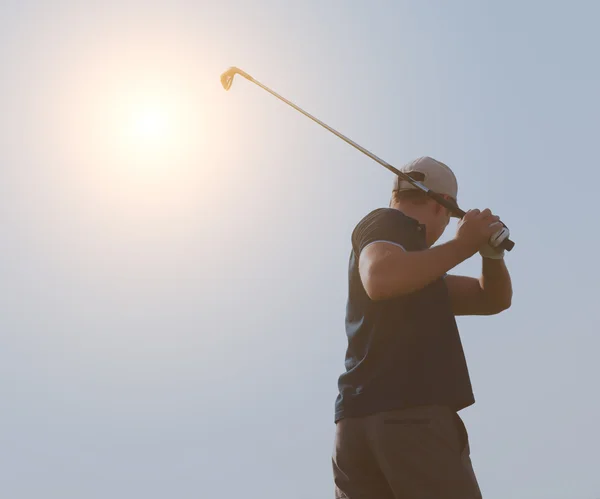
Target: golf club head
column 227, row 77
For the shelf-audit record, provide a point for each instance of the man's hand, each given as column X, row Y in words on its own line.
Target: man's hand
column 491, row 249
column 476, row 229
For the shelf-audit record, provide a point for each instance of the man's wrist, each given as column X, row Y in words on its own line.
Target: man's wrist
column 461, row 250
column 492, row 265
column 490, row 253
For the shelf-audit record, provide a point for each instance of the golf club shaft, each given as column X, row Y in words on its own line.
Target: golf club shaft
column 227, row 79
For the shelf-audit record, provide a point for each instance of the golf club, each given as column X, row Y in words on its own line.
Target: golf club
column 227, row 81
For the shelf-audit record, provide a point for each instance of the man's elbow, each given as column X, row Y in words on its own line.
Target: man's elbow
column 506, row 304
column 378, row 286
column 500, row 306
column 374, row 288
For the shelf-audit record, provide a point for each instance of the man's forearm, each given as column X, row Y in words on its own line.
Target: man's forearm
column 496, row 284
column 399, row 272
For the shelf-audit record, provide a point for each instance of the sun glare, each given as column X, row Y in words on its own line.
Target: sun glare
column 150, row 124
column 143, row 125
column 152, row 130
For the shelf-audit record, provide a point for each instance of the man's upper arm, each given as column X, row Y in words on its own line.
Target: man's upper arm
column 378, row 238
column 374, row 256
column 467, row 296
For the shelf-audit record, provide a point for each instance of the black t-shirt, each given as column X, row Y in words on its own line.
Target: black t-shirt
column 405, row 351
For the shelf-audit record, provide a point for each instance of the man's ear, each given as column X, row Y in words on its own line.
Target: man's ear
column 439, row 208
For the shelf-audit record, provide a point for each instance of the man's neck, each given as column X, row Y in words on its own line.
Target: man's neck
column 413, row 211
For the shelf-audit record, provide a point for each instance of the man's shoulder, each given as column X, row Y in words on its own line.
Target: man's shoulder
column 385, row 224
column 385, row 215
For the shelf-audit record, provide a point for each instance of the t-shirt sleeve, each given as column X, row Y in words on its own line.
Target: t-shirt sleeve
column 385, row 225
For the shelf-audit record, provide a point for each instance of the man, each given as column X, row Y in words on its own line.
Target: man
column 398, row 433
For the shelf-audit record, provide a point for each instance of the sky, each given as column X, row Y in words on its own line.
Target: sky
column 174, row 256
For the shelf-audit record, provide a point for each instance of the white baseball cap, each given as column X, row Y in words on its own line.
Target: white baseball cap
column 433, row 174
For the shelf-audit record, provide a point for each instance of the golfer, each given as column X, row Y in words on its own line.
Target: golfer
column 398, row 433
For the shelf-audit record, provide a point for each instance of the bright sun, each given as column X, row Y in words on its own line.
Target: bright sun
column 150, row 128
column 150, row 124
column 152, row 131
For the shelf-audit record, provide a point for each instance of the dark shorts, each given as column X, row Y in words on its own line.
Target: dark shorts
column 417, row 453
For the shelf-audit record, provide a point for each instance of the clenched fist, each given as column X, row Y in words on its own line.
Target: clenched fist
column 476, row 229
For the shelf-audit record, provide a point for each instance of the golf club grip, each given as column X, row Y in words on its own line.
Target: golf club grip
column 507, row 244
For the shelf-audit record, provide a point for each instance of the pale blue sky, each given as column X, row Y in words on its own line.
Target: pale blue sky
column 177, row 331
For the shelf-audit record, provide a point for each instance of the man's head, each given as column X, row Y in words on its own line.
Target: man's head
column 418, row 205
